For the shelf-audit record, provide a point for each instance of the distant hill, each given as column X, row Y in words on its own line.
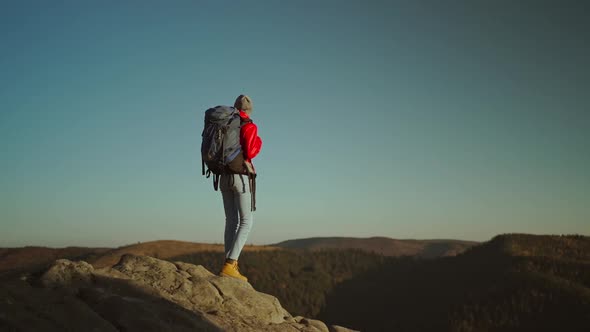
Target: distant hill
column 33, row 257
column 36, row 257
column 514, row 282
column 383, row 245
column 163, row 249
column 564, row 247
column 14, row 260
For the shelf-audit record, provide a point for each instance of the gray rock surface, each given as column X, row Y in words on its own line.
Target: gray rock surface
column 142, row 293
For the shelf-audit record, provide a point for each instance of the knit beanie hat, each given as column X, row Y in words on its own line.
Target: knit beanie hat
column 243, row 103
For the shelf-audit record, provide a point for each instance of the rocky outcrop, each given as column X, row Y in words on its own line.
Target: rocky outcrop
column 142, row 293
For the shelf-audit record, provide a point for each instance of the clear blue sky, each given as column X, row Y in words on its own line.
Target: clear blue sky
column 406, row 119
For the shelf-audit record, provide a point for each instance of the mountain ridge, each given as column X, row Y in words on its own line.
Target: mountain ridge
column 38, row 257
column 428, row 248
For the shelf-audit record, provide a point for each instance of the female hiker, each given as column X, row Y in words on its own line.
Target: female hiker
column 238, row 189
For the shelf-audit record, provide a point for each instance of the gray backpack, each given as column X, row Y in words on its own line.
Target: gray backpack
column 221, row 150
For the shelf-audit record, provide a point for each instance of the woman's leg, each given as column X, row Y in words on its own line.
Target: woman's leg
column 231, row 213
column 242, row 199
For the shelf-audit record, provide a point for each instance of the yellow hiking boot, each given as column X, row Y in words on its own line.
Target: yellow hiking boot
column 230, row 269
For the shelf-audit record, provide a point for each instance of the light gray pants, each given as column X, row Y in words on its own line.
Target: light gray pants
column 238, row 215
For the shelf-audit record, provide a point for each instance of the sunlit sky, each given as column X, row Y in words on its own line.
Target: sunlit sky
column 405, row 119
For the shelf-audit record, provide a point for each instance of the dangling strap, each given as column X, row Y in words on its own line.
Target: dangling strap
column 252, row 185
column 253, row 192
column 216, row 181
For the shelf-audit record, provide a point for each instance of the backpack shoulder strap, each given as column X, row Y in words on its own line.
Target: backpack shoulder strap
column 244, row 121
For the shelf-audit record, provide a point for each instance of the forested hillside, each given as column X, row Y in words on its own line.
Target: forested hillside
column 383, row 245
column 511, row 283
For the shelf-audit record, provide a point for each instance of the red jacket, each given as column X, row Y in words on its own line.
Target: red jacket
column 249, row 139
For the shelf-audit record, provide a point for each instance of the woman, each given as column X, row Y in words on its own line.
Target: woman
column 238, row 192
